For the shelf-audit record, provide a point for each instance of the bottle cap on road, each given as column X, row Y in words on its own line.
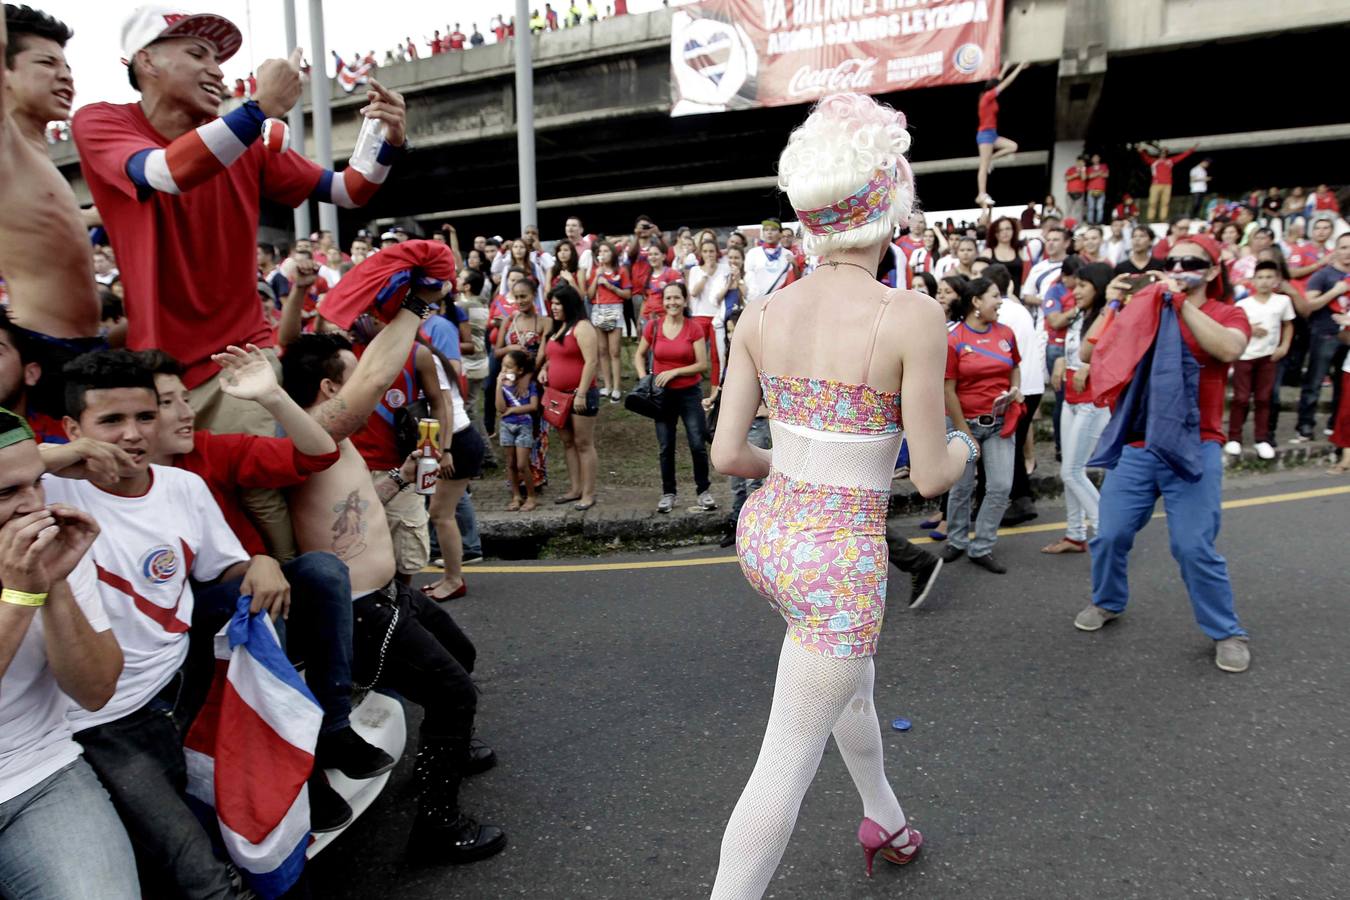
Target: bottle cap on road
column 901, row 724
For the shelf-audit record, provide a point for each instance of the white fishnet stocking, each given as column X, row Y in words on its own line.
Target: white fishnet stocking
column 813, row 696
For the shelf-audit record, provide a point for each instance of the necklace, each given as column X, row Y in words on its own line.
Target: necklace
column 835, row 264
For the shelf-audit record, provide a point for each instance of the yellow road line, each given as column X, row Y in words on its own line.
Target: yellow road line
column 545, row 568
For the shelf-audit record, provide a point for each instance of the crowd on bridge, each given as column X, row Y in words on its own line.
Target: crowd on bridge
column 302, row 428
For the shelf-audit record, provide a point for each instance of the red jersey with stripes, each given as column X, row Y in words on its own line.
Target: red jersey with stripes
column 147, row 549
column 982, row 363
column 169, row 204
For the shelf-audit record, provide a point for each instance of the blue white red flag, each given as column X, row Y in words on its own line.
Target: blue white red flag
column 251, row 751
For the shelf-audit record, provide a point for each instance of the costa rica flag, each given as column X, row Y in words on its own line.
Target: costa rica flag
column 250, row 753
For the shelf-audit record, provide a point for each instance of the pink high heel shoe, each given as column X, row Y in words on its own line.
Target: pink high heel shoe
column 874, row 838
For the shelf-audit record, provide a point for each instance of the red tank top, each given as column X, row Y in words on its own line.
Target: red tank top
column 565, row 363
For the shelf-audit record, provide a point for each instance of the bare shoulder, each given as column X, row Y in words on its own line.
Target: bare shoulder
column 913, row 313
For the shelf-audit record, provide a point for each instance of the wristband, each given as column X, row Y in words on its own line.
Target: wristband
column 972, row 448
column 397, row 479
column 22, row 598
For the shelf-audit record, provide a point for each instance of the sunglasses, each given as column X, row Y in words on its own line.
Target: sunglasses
column 1186, row 263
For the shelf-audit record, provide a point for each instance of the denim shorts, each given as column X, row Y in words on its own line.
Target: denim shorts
column 986, row 136
column 521, row 435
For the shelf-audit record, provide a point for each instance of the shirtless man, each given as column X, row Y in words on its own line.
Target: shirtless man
column 44, row 249
column 402, row 639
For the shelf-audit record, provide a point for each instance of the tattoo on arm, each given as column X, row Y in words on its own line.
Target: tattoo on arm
column 338, row 420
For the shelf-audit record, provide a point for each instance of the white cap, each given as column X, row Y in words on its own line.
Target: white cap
column 153, row 23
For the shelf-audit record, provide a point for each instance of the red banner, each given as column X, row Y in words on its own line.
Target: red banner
column 742, row 54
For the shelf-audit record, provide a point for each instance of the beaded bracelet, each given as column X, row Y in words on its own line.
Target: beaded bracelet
column 22, row 598
column 972, row 448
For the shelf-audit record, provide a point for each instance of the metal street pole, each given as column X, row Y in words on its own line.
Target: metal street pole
column 319, row 90
column 529, row 214
column 296, row 120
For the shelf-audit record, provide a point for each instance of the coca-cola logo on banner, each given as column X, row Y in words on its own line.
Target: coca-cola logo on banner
column 849, row 75
column 741, row 54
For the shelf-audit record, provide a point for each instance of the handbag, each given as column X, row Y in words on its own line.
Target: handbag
column 646, row 399
column 556, row 407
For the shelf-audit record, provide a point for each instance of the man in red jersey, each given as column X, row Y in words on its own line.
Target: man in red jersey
column 1160, row 191
column 175, row 184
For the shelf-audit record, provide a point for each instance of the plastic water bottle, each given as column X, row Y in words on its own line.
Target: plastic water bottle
column 368, row 144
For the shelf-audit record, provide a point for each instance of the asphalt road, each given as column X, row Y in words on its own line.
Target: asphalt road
column 627, row 706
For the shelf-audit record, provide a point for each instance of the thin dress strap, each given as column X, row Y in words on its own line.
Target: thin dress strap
column 763, row 313
column 872, row 342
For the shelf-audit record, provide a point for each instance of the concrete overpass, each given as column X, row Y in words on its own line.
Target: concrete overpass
column 1239, row 75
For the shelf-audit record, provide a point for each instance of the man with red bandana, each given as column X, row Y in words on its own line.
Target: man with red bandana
column 1214, row 332
column 175, row 183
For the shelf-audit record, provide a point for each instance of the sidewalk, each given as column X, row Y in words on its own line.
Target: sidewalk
column 629, row 488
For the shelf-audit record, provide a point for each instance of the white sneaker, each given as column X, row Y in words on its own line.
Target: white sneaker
column 1265, row 451
column 666, row 504
column 616, row 395
column 1232, row 448
column 706, row 501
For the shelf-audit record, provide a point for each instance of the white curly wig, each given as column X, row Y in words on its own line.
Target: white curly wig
column 834, row 153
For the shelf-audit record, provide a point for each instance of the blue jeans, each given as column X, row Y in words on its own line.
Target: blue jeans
column 741, row 488
column 686, row 404
column 1083, row 427
column 467, row 520
column 1054, row 352
column 61, row 840
column 1193, row 517
column 139, row 758
column 1321, row 351
column 319, row 631
column 1096, row 208
column 997, row 453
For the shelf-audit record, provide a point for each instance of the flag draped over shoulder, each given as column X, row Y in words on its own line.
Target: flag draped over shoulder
column 251, row 750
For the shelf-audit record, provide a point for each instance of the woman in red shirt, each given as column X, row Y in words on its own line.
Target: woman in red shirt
column 988, row 141
column 608, row 290
column 983, row 381
column 661, row 275
column 571, row 356
column 679, row 358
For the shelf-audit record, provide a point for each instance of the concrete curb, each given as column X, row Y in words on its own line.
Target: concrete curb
column 522, row 538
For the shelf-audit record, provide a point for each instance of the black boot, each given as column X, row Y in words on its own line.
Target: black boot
column 351, row 754
column 327, row 810
column 481, row 758
column 441, row 833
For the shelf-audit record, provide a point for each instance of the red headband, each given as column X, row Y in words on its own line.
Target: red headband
column 1214, row 289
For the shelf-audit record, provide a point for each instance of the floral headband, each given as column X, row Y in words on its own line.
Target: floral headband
column 864, row 206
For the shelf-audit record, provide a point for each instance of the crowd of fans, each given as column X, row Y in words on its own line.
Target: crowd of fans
column 143, row 487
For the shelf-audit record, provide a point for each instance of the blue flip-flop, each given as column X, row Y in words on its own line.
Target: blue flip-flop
column 928, row 524
column 937, row 535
